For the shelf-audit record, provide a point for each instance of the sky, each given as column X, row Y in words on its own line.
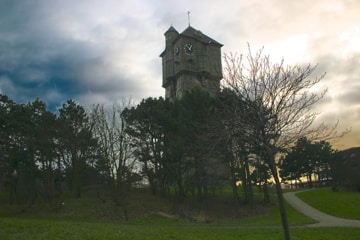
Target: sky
column 103, row 51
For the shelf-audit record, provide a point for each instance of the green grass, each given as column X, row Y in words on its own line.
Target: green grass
column 340, row 204
column 27, row 228
column 258, row 224
column 87, row 218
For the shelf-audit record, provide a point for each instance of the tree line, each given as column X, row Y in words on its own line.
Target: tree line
column 182, row 145
column 40, row 151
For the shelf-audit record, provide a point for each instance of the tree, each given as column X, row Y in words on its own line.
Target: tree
column 8, row 172
column 239, row 140
column 307, row 159
column 278, row 102
column 174, row 141
column 22, row 153
column 261, row 176
column 38, row 149
column 78, row 145
column 28, row 149
column 232, row 148
column 145, row 125
column 115, row 153
column 196, row 117
column 177, row 162
column 190, row 146
column 44, row 145
column 290, row 168
column 325, row 156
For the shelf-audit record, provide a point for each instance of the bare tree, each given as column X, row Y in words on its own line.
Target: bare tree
column 115, row 150
column 278, row 100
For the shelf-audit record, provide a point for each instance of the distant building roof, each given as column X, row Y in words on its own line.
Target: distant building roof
column 351, row 154
column 351, row 150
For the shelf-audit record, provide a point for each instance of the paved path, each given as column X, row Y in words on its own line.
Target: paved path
column 324, row 220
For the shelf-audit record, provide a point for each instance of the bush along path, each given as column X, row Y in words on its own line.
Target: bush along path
column 323, row 219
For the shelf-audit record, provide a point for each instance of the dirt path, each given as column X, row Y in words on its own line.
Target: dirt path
column 324, row 220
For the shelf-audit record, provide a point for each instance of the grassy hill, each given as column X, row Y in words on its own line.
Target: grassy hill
column 343, row 204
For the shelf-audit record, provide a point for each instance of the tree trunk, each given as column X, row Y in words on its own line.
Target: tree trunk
column 310, row 183
column 266, row 193
column 200, row 179
column 244, row 181
column 249, row 183
column 233, row 183
column 151, row 178
column 182, row 193
column 280, row 197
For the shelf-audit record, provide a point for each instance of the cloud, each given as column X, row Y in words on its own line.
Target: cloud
column 71, row 49
column 351, row 97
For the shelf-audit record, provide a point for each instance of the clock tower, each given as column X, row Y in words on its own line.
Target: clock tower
column 190, row 59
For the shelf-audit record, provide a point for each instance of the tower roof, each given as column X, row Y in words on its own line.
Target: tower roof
column 171, row 29
column 194, row 33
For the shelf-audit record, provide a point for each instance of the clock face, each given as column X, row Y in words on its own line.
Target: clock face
column 188, row 48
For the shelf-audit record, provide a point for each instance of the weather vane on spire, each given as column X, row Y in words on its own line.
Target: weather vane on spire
column 188, row 13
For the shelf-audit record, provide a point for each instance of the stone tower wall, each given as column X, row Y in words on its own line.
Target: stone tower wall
column 183, row 71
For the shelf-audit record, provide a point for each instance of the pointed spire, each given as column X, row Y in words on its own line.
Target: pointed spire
column 188, row 13
column 171, row 29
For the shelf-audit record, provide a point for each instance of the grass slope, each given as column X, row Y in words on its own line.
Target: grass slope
column 144, row 207
column 157, row 218
column 340, row 204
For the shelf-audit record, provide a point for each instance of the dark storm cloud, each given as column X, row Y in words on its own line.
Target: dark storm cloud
column 33, row 68
column 30, row 58
column 39, row 57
